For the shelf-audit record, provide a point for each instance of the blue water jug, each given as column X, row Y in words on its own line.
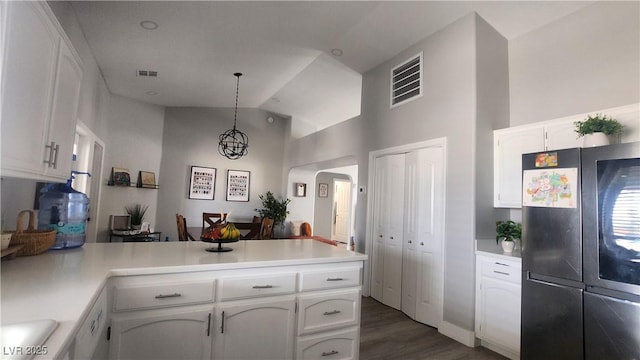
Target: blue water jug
column 65, row 210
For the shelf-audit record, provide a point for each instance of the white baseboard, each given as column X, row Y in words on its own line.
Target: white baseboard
column 463, row 336
column 501, row 350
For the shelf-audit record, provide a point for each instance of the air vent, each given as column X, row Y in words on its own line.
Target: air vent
column 406, row 81
column 148, row 73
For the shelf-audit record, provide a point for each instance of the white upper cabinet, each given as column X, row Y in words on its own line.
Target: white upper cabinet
column 508, row 147
column 561, row 136
column 41, row 78
column 64, row 111
column 509, row 144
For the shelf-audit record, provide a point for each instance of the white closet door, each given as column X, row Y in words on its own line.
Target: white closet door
column 388, row 218
column 430, row 235
column 409, row 251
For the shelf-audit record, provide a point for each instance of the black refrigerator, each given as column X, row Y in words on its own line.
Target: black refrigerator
column 581, row 253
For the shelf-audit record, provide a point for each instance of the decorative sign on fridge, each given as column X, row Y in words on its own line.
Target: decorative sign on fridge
column 550, row 188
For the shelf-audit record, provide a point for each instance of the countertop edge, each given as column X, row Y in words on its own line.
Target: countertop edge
column 490, row 248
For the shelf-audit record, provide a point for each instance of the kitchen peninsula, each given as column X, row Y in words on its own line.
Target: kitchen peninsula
column 314, row 287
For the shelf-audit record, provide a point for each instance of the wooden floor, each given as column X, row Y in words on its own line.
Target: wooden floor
column 389, row 334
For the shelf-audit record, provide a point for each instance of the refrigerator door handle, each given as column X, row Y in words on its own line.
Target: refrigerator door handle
column 550, row 280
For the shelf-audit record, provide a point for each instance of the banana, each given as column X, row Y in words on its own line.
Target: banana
column 224, row 232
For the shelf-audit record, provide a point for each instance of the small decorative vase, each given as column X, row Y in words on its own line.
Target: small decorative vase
column 279, row 230
column 508, row 246
column 595, row 139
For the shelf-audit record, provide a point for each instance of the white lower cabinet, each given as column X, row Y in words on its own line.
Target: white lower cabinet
column 342, row 344
column 329, row 314
column 176, row 333
column 328, row 310
column 498, row 288
column 260, row 329
column 279, row 313
column 91, row 341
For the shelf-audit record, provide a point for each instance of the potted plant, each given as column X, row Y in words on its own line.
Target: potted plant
column 507, row 231
column 137, row 212
column 596, row 129
column 273, row 208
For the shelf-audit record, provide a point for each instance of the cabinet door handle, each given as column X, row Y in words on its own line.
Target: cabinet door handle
column 263, row 286
column 335, row 279
column 49, row 161
column 55, row 157
column 501, row 264
column 391, row 237
column 410, row 242
column 332, row 312
column 222, row 325
column 164, row 296
column 421, row 243
column 332, row 352
column 380, row 236
column 501, row 273
column 209, row 325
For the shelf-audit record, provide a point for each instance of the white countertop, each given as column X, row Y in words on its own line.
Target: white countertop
column 490, row 248
column 61, row 284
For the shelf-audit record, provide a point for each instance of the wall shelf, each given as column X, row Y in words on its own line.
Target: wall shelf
column 151, row 187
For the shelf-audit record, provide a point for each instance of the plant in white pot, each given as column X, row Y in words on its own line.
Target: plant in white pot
column 506, row 233
column 137, row 212
column 596, row 129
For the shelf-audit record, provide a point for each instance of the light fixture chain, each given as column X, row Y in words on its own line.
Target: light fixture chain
column 235, row 114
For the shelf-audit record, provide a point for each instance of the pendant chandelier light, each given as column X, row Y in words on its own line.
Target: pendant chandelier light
column 234, row 143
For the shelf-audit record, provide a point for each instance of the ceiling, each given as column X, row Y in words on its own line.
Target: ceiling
column 284, row 49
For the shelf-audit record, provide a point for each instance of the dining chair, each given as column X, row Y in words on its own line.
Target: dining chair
column 212, row 219
column 266, row 228
column 183, row 234
column 253, row 227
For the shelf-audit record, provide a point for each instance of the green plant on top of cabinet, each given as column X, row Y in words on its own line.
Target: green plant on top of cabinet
column 597, row 129
column 598, row 123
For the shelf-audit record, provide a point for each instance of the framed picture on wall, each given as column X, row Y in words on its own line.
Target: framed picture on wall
column 147, row 179
column 301, row 189
column 238, row 182
column 323, row 190
column 203, row 183
column 120, row 177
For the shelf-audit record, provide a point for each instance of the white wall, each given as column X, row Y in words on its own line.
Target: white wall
column 133, row 141
column 586, row 61
column 191, row 139
column 493, row 113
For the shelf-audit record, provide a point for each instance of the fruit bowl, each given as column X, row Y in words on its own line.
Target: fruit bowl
column 221, row 234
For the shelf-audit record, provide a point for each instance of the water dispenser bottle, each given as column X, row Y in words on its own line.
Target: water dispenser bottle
column 65, row 210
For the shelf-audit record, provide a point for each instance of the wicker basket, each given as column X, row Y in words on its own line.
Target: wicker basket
column 33, row 241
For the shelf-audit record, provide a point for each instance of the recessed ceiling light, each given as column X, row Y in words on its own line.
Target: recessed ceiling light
column 152, row 93
column 336, row 52
column 149, row 25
